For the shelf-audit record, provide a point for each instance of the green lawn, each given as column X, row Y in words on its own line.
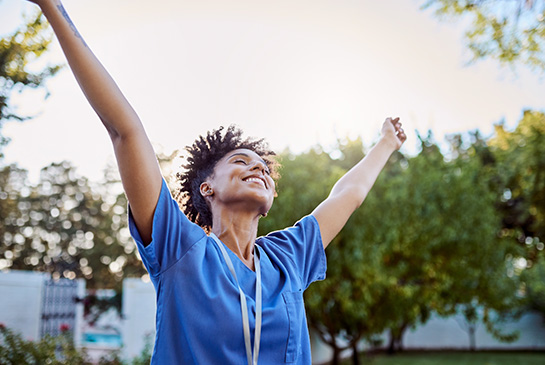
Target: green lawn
column 456, row 358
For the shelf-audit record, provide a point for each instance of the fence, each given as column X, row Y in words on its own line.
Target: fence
column 35, row 305
column 59, row 306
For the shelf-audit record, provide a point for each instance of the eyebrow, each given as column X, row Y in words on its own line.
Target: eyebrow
column 247, row 155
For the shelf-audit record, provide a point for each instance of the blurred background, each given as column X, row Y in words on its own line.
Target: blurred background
column 451, row 235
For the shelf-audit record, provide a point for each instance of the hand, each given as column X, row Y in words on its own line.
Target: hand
column 392, row 131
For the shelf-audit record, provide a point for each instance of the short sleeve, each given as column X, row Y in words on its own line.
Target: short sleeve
column 172, row 234
column 302, row 244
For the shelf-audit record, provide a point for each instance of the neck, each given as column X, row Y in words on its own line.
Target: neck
column 238, row 231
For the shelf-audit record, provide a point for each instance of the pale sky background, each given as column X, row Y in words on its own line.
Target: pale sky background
column 297, row 72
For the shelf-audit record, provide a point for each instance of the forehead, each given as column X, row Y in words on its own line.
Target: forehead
column 242, row 152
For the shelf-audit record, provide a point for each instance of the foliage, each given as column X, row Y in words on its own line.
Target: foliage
column 144, row 358
column 17, row 52
column 425, row 240
column 437, row 230
column 95, row 306
column 507, row 31
column 64, row 226
column 306, row 181
column 516, row 164
column 534, row 278
column 519, row 159
column 60, row 350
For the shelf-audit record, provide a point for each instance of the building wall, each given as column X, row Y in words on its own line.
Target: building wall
column 451, row 333
column 21, row 300
column 138, row 316
column 22, row 304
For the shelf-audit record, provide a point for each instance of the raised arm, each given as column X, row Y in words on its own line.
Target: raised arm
column 136, row 159
column 351, row 189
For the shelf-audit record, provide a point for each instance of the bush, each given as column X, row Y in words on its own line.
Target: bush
column 60, row 350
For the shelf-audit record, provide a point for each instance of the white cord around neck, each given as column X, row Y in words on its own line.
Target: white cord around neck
column 252, row 360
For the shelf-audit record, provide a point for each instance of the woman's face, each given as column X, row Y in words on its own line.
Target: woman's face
column 241, row 178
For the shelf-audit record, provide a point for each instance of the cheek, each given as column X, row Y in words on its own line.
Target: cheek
column 272, row 184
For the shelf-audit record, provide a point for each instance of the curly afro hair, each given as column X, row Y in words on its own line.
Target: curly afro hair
column 202, row 158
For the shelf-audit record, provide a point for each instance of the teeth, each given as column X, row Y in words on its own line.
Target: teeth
column 256, row 180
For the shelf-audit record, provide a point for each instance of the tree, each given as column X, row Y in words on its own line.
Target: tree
column 519, row 160
column 534, row 278
column 17, row 52
column 425, row 240
column 65, row 227
column 440, row 241
column 507, row 31
column 306, row 180
column 13, row 183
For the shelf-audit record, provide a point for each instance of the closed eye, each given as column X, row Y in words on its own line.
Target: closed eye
column 240, row 161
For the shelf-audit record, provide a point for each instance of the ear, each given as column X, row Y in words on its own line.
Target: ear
column 206, row 189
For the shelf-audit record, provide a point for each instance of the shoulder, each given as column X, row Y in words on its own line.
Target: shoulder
column 306, row 229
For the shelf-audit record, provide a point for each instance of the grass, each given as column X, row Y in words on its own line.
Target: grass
column 455, row 358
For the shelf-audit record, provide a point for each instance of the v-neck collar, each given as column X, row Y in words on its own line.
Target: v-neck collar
column 237, row 259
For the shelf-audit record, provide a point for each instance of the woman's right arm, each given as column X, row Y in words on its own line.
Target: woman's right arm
column 136, row 159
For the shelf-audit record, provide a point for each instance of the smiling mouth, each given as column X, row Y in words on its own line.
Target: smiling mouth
column 256, row 180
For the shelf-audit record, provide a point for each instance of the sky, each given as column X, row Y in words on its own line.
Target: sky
column 297, row 72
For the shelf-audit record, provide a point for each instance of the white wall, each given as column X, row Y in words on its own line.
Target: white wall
column 439, row 333
column 21, row 299
column 448, row 333
column 138, row 316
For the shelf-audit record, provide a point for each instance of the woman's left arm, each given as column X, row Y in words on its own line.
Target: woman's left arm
column 351, row 189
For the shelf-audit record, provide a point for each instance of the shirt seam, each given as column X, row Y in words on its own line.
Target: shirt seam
column 181, row 258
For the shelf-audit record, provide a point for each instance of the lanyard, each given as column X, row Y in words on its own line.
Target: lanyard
column 244, row 306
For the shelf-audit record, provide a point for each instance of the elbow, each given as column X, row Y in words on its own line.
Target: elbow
column 110, row 128
column 122, row 129
column 113, row 133
column 359, row 197
column 352, row 197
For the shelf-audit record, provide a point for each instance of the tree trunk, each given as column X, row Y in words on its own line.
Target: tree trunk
column 355, row 354
column 336, row 360
column 396, row 339
column 471, row 332
column 391, row 344
column 399, row 337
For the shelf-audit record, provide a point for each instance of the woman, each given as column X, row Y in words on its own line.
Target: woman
column 226, row 297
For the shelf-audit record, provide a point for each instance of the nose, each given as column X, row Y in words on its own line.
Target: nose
column 259, row 165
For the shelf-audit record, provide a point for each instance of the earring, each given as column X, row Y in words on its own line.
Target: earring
column 206, row 190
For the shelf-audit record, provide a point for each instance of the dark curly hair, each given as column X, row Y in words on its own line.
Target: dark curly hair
column 202, row 158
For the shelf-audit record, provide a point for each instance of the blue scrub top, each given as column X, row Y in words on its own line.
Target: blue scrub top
column 198, row 319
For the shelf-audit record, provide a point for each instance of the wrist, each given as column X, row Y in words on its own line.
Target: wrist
column 389, row 142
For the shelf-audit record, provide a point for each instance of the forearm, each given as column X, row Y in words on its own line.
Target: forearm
column 352, row 189
column 98, row 86
column 358, row 181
